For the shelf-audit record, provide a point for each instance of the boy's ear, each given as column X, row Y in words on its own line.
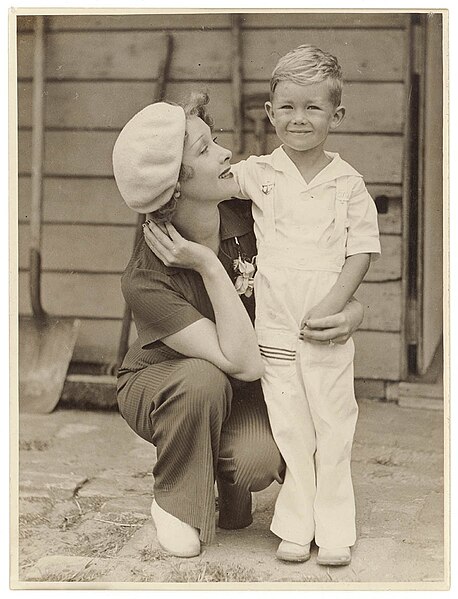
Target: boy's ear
column 270, row 112
column 338, row 117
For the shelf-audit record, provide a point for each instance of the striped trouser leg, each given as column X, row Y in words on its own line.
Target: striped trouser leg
column 249, row 459
column 180, row 407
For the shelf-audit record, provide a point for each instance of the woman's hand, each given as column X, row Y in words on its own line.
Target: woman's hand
column 337, row 328
column 230, row 341
column 173, row 249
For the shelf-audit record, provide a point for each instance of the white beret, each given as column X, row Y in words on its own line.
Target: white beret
column 147, row 156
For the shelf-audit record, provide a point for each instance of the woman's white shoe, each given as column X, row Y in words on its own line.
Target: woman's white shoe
column 174, row 536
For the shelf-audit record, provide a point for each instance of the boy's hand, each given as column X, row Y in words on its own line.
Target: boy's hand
column 322, row 309
column 337, row 301
column 337, row 328
column 325, row 329
column 333, row 328
column 322, row 318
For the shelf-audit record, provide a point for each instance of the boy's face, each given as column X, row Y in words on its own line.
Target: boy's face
column 303, row 115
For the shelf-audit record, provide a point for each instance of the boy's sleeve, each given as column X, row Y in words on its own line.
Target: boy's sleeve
column 363, row 233
column 244, row 177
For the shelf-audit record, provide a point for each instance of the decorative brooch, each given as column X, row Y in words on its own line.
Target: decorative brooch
column 267, row 188
column 244, row 283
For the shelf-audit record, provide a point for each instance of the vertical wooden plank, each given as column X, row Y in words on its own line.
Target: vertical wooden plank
column 430, row 234
column 406, row 203
column 377, row 355
column 236, row 72
column 38, row 139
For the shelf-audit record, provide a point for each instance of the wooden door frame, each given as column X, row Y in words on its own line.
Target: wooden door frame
column 413, row 196
column 408, row 206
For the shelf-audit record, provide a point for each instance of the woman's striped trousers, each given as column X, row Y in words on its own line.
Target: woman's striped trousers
column 205, row 428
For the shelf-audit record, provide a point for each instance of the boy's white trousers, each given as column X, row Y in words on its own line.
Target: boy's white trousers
column 308, row 389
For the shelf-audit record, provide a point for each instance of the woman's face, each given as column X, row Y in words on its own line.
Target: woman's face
column 212, row 178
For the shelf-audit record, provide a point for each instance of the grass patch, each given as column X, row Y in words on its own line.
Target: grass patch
column 103, row 544
column 142, row 474
column 87, row 574
column 33, row 445
column 147, row 554
column 90, row 504
column 385, row 461
column 120, row 519
column 207, row 572
column 33, row 519
column 316, row 578
column 29, row 523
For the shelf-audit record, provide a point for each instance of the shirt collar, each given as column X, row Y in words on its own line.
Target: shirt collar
column 280, row 161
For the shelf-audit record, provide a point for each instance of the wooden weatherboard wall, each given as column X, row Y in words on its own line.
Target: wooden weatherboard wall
column 100, row 70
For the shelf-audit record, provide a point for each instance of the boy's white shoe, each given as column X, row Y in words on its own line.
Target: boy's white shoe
column 334, row 556
column 293, row 552
column 174, row 536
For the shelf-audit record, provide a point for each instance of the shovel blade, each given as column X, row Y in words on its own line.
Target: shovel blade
column 45, row 350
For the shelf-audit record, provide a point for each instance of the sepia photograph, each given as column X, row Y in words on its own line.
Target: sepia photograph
column 228, row 299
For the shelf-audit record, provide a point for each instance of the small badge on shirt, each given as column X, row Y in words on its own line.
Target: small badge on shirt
column 267, row 188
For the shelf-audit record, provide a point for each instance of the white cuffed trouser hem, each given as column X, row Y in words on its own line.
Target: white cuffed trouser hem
column 293, row 518
column 334, row 500
column 283, row 529
column 300, row 517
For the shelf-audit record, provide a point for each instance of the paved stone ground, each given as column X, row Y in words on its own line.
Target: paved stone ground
column 85, row 487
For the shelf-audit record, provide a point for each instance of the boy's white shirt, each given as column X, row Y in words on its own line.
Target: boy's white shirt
column 254, row 179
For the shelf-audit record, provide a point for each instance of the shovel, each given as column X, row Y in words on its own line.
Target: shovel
column 45, row 344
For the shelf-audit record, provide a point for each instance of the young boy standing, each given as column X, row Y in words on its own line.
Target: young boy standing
column 316, row 228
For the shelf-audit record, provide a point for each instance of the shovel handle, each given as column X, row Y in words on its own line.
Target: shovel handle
column 37, row 168
column 164, row 69
column 35, row 284
column 37, row 134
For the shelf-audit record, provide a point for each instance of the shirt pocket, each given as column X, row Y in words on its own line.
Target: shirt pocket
column 331, row 355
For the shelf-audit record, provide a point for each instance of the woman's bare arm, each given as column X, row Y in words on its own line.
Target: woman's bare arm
column 229, row 343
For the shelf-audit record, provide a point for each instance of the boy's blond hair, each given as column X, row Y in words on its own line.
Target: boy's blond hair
column 308, row 64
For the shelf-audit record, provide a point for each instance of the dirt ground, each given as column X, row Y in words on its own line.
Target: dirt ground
column 85, row 487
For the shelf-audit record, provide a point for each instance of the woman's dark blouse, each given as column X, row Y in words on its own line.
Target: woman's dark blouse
column 165, row 300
